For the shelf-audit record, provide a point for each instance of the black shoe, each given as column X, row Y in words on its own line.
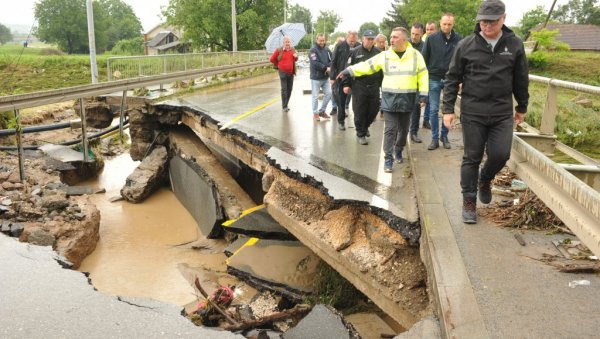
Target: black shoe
column 434, row 145
column 363, row 141
column 415, row 138
column 333, row 111
column 368, row 134
column 446, row 143
column 469, row 211
column 341, row 126
column 485, row 191
column 426, row 125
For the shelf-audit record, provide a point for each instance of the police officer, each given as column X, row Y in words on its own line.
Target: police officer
column 405, row 80
column 365, row 90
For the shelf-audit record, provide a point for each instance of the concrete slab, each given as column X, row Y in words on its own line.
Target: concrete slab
column 320, row 323
column 260, row 224
column 235, row 245
column 65, row 305
column 286, row 267
column 62, row 153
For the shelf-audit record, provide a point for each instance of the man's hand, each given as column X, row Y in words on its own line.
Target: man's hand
column 327, row 70
column 519, row 117
column 449, row 120
column 422, row 104
column 332, row 82
column 347, row 90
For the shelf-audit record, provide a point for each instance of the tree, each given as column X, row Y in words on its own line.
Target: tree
column 531, row 19
column 327, row 22
column 5, row 34
column 123, row 23
column 133, row 46
column 406, row 12
column 368, row 25
column 64, row 22
column 578, row 12
column 208, row 22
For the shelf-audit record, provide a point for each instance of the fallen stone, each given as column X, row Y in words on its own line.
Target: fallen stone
column 55, row 185
column 56, row 201
column 147, row 177
column 77, row 190
column 79, row 216
column 36, row 191
column 4, row 175
column 9, row 186
column 116, row 198
column 16, row 230
column 41, row 238
column 5, row 227
column 321, row 323
column 30, row 213
column 6, row 202
column 14, row 177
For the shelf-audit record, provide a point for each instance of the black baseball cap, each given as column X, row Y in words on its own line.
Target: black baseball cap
column 369, row 34
column 490, row 10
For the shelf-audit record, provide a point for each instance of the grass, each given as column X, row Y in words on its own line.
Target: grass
column 576, row 126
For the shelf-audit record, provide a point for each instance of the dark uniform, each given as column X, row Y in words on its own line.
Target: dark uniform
column 339, row 62
column 365, row 91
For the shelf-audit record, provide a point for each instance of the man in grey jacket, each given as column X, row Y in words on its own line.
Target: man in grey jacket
column 492, row 67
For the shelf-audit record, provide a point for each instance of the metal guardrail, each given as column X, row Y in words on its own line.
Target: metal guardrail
column 560, row 187
column 149, row 65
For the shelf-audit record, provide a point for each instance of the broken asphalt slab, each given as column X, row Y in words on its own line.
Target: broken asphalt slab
column 260, row 224
column 39, row 298
column 321, row 323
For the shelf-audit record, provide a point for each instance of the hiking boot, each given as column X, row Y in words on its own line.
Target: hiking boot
column 363, row 141
column 426, row 125
column 341, row 126
column 324, row 115
column 469, row 211
column 446, row 143
column 434, row 145
column 387, row 166
column 285, row 110
column 316, row 117
column 485, row 191
column 333, row 111
column 415, row 138
column 398, row 156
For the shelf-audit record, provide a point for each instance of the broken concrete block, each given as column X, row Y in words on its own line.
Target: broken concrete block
column 259, row 223
column 321, row 323
column 147, row 177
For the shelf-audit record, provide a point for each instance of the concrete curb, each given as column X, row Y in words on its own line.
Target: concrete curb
column 449, row 284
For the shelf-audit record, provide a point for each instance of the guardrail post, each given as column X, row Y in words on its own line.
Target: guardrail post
column 84, row 140
column 108, row 72
column 122, row 114
column 19, row 145
column 185, row 62
column 550, row 111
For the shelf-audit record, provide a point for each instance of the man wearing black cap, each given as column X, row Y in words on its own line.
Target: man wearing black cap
column 339, row 62
column 492, row 67
column 365, row 98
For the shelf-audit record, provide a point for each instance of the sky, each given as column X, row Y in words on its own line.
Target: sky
column 353, row 12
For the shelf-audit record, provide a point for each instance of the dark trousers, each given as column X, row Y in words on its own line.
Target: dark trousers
column 492, row 134
column 365, row 103
column 395, row 132
column 414, row 119
column 287, row 83
column 340, row 98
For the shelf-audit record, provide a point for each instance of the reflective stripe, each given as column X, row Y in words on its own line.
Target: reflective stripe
column 415, row 61
column 424, row 94
column 372, row 66
column 421, row 70
column 351, row 71
column 402, row 73
column 397, row 90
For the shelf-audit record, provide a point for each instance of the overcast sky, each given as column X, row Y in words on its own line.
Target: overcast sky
column 353, row 12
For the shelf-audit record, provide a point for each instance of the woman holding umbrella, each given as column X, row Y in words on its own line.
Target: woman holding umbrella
column 284, row 58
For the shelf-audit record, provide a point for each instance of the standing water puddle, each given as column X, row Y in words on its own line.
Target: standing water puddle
column 137, row 254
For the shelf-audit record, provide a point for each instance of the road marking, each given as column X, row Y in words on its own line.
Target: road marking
column 252, row 111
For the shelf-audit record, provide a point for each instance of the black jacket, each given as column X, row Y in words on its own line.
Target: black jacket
column 438, row 51
column 339, row 60
column 320, row 59
column 419, row 46
column 370, row 82
column 489, row 78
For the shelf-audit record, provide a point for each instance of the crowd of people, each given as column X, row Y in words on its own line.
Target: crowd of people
column 410, row 75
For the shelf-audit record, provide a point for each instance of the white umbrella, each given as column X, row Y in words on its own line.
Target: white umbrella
column 295, row 31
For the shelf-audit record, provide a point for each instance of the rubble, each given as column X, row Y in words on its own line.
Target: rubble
column 147, row 177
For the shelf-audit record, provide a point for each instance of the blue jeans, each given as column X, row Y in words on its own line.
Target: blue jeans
column 316, row 85
column 435, row 91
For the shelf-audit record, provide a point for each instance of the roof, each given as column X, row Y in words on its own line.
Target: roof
column 158, row 39
column 579, row 37
column 169, row 45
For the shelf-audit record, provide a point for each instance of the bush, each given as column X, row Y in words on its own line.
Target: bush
column 547, row 40
column 133, row 46
column 538, row 60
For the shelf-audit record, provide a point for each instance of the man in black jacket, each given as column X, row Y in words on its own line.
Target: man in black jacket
column 339, row 62
column 365, row 89
column 320, row 62
column 437, row 52
column 492, row 67
column 416, row 34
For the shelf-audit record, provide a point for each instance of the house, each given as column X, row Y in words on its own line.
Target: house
column 164, row 39
column 579, row 37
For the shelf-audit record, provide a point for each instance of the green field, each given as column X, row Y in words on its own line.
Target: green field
column 42, row 67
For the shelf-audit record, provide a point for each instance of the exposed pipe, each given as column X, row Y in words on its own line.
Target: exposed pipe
column 41, row 128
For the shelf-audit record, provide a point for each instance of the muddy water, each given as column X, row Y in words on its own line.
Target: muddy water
column 137, row 254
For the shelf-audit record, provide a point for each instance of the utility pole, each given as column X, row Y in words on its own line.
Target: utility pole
column 233, row 26
column 284, row 11
column 92, row 41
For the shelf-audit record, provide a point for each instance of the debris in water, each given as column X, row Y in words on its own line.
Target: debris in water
column 576, row 283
